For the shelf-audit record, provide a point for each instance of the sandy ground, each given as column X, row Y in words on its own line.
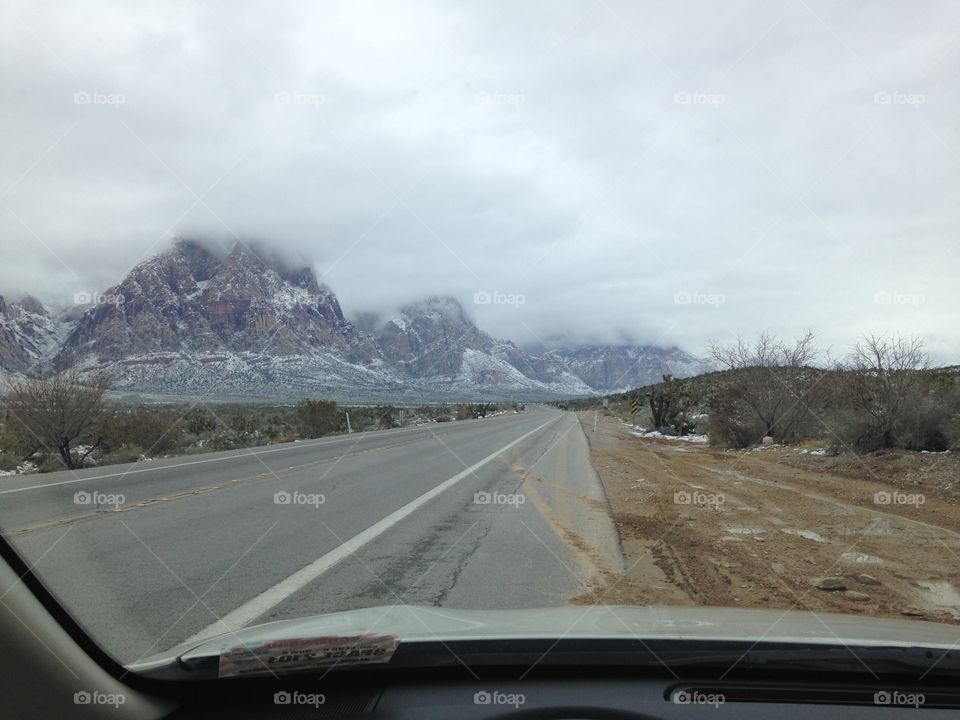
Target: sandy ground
column 702, row 526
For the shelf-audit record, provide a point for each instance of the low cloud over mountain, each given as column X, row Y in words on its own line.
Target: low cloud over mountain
column 247, row 323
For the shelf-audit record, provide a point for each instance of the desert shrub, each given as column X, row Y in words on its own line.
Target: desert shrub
column 9, row 461
column 155, row 430
column 951, row 431
column 316, row 418
column 227, row 441
column 386, row 417
column 241, row 420
column 728, row 426
column 47, row 463
column 199, row 421
column 60, row 411
column 885, row 398
column 850, row 430
column 16, row 443
column 884, row 385
column 923, row 426
column 123, row 455
column 767, row 379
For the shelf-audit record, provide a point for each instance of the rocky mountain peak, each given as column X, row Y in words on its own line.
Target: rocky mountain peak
column 437, row 307
column 199, row 259
column 30, row 304
column 430, row 337
column 246, row 321
column 189, row 299
column 28, row 334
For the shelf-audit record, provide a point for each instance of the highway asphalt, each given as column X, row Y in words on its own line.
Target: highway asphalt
column 502, row 512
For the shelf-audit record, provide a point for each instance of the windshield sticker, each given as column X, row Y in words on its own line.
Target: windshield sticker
column 304, row 653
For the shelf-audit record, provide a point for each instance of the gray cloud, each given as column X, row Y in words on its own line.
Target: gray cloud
column 654, row 172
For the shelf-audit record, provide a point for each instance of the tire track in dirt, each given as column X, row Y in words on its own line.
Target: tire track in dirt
column 776, row 531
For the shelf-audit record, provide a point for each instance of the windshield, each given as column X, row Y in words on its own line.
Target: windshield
column 494, row 315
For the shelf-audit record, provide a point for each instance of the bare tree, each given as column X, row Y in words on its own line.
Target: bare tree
column 60, row 412
column 759, row 383
column 886, row 378
column 766, row 351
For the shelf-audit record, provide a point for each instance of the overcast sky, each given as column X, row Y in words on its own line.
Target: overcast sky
column 660, row 172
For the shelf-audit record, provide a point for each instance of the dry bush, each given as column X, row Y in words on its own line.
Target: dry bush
column 764, row 384
column 60, row 412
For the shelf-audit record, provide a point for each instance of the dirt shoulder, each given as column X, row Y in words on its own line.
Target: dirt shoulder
column 702, row 526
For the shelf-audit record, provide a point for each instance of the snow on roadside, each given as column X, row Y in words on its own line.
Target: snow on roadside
column 657, row 434
column 21, row 469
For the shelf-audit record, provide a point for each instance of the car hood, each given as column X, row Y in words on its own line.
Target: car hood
column 430, row 624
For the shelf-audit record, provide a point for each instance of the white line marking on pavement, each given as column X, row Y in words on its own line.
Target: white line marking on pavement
column 270, row 598
column 239, row 454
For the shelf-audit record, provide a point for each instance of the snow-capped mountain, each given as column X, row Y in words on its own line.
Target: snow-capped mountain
column 617, row 368
column 430, row 338
column 435, row 339
column 187, row 300
column 30, row 334
column 190, row 321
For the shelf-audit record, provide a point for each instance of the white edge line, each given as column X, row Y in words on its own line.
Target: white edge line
column 238, row 455
column 273, row 596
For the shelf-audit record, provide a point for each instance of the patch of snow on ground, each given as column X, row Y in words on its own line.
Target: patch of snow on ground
column 21, row 469
column 657, row 434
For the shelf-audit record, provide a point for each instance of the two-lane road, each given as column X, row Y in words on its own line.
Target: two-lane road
column 495, row 513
